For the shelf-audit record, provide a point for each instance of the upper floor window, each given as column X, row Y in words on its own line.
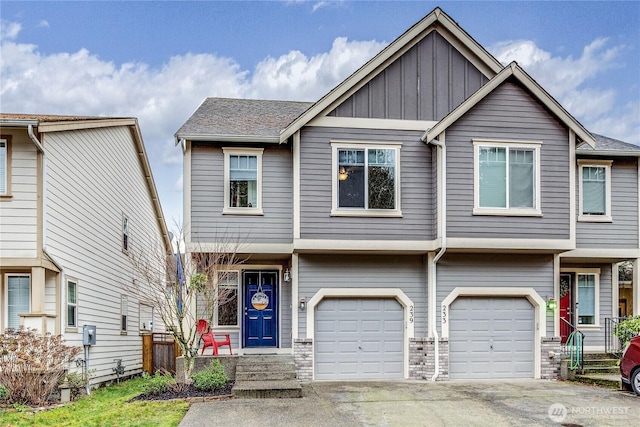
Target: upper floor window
column 243, row 181
column 72, row 303
column 5, row 159
column 507, row 177
column 125, row 233
column 366, row 179
column 595, row 190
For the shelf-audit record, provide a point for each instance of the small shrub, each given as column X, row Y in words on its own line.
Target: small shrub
column 210, row 378
column 627, row 329
column 161, row 382
column 77, row 383
column 31, row 364
column 4, row 393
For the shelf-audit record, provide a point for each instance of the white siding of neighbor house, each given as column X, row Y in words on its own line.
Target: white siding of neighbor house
column 94, row 177
column 19, row 214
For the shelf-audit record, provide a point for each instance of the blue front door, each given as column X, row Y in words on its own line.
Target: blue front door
column 260, row 328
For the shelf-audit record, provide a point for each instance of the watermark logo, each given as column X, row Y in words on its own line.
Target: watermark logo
column 557, row 412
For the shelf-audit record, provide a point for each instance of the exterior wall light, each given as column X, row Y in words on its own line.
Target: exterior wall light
column 287, row 275
column 552, row 304
column 302, row 304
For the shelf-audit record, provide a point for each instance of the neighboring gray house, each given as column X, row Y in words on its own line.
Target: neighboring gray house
column 421, row 218
column 76, row 198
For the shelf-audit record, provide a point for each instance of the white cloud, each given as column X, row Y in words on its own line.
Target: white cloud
column 43, row 24
column 319, row 5
column 9, row 30
column 574, row 83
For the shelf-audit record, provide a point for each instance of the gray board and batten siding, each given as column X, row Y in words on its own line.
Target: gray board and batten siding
column 417, row 200
column 425, row 83
column 508, row 113
column 496, row 271
column 208, row 224
column 622, row 232
column 407, row 273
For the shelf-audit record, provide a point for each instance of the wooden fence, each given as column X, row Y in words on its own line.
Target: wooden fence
column 159, row 351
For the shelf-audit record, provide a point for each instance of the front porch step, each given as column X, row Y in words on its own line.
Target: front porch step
column 602, row 380
column 266, row 376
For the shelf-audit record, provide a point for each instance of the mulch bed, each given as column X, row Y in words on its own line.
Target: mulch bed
column 187, row 393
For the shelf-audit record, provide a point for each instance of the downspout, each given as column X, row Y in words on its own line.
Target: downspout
column 44, row 185
column 442, row 151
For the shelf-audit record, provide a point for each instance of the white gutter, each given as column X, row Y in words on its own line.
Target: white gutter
column 442, row 151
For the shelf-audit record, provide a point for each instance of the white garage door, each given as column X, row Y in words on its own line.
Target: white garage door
column 358, row 338
column 491, row 338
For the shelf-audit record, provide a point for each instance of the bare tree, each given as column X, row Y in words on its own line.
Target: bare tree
column 184, row 286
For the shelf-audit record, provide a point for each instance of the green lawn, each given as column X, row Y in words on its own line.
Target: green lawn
column 106, row 407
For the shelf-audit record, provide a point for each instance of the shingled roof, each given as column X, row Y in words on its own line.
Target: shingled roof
column 606, row 145
column 220, row 118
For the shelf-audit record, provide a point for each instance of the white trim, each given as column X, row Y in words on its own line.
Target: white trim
column 615, row 289
column 572, row 187
column 382, row 246
column 397, row 294
column 296, row 185
column 636, row 286
column 233, row 151
column 521, row 76
column 365, row 212
column 507, row 145
column 294, row 297
column 253, row 248
column 487, row 244
column 67, row 280
column 539, row 308
column 5, row 176
column 366, row 123
column 214, row 321
column 242, row 303
column 556, row 294
column 186, row 192
column 606, row 164
column 586, row 271
column 602, row 253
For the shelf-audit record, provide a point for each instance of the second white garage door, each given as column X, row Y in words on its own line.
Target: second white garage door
column 358, row 338
column 491, row 338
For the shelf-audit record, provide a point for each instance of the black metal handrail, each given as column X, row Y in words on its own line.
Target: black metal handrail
column 612, row 344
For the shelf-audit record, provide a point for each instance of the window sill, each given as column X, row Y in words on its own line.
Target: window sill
column 367, row 213
column 242, row 211
column 71, row 330
column 588, row 327
column 507, row 212
column 594, row 218
column 123, row 333
column 5, row 197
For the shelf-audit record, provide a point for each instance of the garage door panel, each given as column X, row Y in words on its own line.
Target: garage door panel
column 365, row 340
column 491, row 337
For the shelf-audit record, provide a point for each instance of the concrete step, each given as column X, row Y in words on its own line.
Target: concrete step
column 267, row 389
column 262, row 367
column 600, row 370
column 600, row 362
column 268, row 375
column 261, row 358
column 596, row 356
column 603, row 380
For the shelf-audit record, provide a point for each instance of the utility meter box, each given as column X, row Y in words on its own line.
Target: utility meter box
column 89, row 335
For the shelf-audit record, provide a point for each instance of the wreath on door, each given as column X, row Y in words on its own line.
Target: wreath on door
column 564, row 287
column 260, row 300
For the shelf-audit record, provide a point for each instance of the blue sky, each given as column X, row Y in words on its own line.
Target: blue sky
column 157, row 60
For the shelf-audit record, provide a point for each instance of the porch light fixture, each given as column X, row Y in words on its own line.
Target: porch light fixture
column 287, row 275
column 343, row 174
column 302, row 304
column 552, row 304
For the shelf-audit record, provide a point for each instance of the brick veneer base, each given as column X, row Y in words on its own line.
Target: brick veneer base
column 303, row 358
column 422, row 359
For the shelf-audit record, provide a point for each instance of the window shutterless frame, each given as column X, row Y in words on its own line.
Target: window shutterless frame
column 72, row 303
column 5, row 167
column 242, row 180
column 517, row 158
column 594, row 188
column 368, row 162
column 17, row 298
column 227, row 310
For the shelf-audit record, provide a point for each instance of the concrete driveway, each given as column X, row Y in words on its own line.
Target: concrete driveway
column 413, row 403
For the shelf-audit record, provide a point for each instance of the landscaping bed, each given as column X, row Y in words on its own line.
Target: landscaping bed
column 186, row 392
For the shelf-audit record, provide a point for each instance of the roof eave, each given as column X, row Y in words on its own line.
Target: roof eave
column 18, row 122
column 230, row 138
column 512, row 70
column 609, row 153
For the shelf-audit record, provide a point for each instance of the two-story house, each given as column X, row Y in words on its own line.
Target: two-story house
column 426, row 218
column 76, row 197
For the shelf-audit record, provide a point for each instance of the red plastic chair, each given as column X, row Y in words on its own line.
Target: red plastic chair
column 209, row 338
